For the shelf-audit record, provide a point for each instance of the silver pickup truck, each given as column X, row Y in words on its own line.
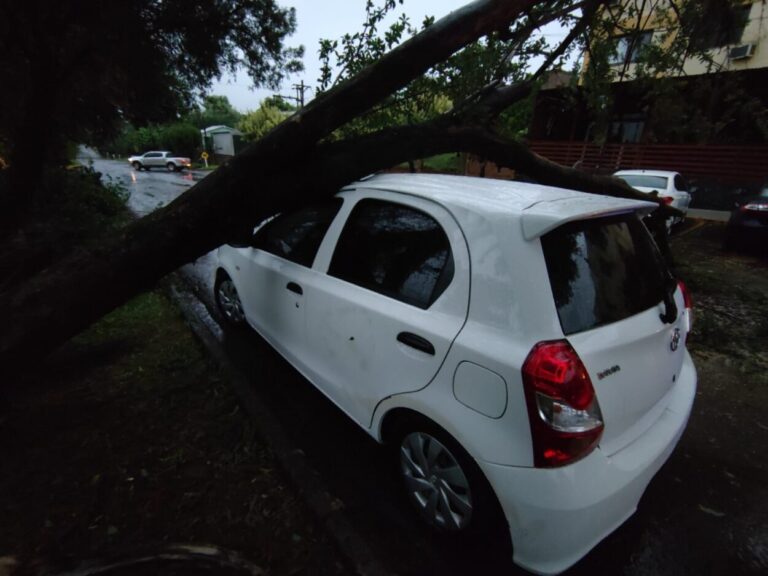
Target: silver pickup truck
column 160, row 159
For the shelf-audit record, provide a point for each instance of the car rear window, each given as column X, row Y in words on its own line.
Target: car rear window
column 602, row 271
column 644, row 181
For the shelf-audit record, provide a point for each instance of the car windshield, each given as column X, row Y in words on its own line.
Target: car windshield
column 602, row 271
column 645, row 181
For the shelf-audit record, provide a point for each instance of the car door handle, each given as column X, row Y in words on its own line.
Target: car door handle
column 293, row 287
column 417, row 342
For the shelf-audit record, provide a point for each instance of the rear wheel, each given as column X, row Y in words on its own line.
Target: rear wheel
column 228, row 301
column 444, row 483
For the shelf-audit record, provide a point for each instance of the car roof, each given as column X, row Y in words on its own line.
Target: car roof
column 666, row 173
column 541, row 208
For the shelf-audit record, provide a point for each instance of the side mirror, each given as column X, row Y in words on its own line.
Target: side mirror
column 241, row 239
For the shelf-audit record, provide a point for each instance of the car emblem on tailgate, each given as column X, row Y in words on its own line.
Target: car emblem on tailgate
column 608, row 372
column 673, row 345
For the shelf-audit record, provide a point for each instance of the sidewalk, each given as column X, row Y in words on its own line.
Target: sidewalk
column 714, row 215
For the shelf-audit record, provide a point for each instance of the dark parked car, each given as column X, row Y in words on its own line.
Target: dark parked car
column 748, row 227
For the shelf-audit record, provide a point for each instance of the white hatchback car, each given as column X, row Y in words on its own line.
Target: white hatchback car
column 671, row 186
column 524, row 346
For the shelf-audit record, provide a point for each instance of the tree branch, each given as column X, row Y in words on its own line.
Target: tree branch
column 69, row 296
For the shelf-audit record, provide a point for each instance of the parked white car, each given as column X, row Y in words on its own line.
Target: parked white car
column 524, row 346
column 671, row 186
column 160, row 159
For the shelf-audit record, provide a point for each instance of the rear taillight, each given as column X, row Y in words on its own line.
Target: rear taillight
column 566, row 423
column 755, row 207
column 667, row 200
column 688, row 304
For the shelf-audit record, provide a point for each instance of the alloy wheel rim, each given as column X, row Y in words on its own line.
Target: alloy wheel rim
column 435, row 482
column 230, row 302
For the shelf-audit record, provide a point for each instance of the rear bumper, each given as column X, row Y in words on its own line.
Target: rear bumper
column 556, row 516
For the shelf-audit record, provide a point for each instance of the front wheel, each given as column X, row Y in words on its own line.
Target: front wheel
column 171, row 167
column 228, row 301
column 136, row 165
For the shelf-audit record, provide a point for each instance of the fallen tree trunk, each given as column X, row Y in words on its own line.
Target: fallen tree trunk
column 287, row 167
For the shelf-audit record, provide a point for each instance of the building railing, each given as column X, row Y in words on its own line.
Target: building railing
column 737, row 164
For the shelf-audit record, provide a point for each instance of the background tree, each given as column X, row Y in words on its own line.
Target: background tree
column 73, row 70
column 213, row 111
column 257, row 123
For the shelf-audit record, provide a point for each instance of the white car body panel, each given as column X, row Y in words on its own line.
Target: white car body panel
column 571, row 509
column 350, row 346
column 343, row 338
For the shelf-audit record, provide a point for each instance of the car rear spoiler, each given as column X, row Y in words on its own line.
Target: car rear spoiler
column 541, row 217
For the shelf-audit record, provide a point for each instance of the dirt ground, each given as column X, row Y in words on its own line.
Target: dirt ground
column 718, row 478
column 127, row 441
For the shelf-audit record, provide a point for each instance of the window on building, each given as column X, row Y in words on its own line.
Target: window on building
column 718, row 30
column 629, row 48
column 627, row 128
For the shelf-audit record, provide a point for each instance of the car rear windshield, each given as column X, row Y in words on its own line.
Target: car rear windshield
column 602, row 271
column 644, row 181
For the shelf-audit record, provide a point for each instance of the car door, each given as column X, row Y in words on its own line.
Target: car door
column 151, row 159
column 277, row 270
column 395, row 296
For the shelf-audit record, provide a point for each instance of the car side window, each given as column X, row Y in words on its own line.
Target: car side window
column 395, row 250
column 296, row 236
column 681, row 184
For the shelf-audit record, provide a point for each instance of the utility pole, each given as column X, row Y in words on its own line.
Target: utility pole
column 299, row 98
column 300, row 89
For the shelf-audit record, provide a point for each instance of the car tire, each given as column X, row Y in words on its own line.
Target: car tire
column 171, row 167
column 228, row 301
column 136, row 165
column 443, row 482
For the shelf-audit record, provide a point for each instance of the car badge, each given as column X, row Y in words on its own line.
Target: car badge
column 675, row 343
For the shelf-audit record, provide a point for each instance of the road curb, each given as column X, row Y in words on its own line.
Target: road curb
column 303, row 477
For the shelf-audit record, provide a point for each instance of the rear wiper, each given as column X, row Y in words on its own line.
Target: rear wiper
column 670, row 307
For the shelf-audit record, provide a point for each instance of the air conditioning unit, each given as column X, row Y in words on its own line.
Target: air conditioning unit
column 741, row 52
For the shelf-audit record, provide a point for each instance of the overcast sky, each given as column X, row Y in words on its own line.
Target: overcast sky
column 318, row 19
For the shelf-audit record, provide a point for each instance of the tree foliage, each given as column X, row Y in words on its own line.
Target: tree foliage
column 506, row 56
column 257, row 123
column 213, row 111
column 180, row 137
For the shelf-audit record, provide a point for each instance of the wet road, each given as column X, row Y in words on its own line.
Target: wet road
column 706, row 511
